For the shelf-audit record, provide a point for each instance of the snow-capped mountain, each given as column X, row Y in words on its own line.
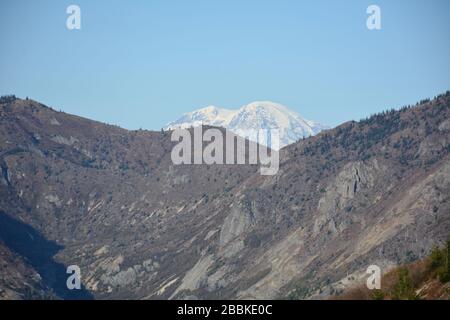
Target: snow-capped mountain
column 256, row 115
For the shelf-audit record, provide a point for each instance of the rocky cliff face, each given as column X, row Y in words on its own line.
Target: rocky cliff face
column 112, row 202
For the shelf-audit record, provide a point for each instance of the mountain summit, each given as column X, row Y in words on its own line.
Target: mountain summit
column 256, row 115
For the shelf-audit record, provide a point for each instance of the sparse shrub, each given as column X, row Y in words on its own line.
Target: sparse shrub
column 377, row 295
column 404, row 288
column 439, row 263
column 436, row 257
column 7, row 98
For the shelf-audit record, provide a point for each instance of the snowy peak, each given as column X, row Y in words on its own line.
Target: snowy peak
column 267, row 106
column 255, row 115
column 209, row 115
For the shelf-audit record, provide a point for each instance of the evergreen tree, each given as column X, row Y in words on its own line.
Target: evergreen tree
column 404, row 288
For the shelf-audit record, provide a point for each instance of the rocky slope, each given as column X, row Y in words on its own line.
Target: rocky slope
column 112, row 202
column 18, row 280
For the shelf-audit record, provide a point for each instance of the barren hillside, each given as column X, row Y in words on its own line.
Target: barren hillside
column 111, row 201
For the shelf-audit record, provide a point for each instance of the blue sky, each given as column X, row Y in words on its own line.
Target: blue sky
column 144, row 63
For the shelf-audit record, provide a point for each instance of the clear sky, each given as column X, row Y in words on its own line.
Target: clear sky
column 144, row 63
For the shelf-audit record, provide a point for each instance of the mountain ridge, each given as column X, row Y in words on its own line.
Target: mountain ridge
column 369, row 192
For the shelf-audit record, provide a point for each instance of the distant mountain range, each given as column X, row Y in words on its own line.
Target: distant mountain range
column 256, row 115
